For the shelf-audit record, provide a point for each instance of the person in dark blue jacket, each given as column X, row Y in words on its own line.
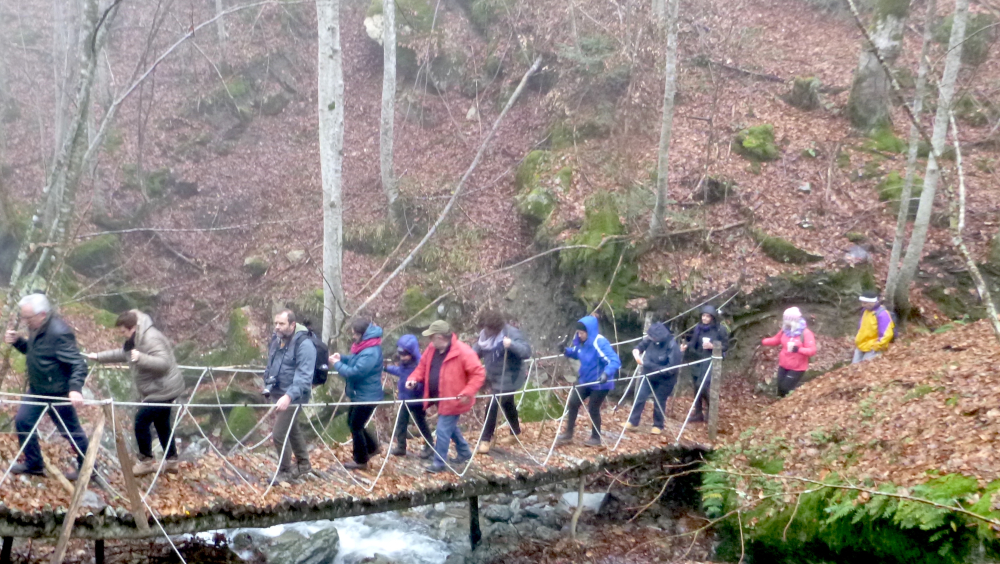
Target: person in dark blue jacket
column 598, row 365
column 656, row 353
column 408, row 350
column 362, row 369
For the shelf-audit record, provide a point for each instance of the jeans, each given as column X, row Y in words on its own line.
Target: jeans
column 286, row 424
column 788, row 380
column 447, row 431
column 364, row 442
column 593, row 407
column 509, row 407
column 660, row 387
column 861, row 356
column 64, row 416
column 419, row 416
column 159, row 417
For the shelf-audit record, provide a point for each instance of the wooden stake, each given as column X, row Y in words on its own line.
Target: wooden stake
column 131, row 488
column 81, row 488
column 579, row 507
column 714, row 386
column 59, row 476
column 475, row 533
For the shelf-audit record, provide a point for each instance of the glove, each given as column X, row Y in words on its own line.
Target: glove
column 603, row 379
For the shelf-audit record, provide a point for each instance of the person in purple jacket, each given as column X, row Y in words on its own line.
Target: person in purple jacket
column 408, row 351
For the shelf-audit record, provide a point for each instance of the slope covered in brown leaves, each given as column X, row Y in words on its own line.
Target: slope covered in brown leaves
column 928, row 406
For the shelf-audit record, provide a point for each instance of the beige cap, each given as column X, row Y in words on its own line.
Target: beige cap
column 439, row 327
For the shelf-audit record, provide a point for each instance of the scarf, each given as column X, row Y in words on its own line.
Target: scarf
column 490, row 343
column 129, row 344
column 794, row 328
column 362, row 345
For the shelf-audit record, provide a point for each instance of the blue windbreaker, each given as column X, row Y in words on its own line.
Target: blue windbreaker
column 596, row 356
column 363, row 371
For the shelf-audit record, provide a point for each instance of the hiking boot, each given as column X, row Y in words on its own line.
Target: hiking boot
column 287, row 475
column 564, row 439
column 20, row 468
column 484, row 447
column 172, row 465
column 655, row 431
column 509, row 440
column 630, row 427
column 426, row 452
column 303, row 468
column 352, row 465
column 144, row 466
column 593, row 441
column 398, row 450
column 698, row 417
column 435, row 469
column 72, row 475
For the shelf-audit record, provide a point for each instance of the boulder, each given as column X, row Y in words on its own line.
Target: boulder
column 295, row 256
column 256, row 266
column 498, row 513
column 591, row 501
column 784, row 251
column 292, row 546
column 96, row 256
column 804, row 93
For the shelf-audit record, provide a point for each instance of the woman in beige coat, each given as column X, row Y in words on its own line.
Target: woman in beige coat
column 150, row 357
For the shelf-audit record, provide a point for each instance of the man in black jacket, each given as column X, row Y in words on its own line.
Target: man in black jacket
column 56, row 369
column 700, row 345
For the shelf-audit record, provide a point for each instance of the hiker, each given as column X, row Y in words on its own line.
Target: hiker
column 362, row 370
column 700, row 343
column 57, row 370
column 150, row 358
column 797, row 345
column 875, row 330
column 656, row 353
column 287, row 380
column 408, row 351
column 503, row 350
column 598, row 365
column 448, row 368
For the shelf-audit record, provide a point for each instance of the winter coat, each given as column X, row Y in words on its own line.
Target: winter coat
column 461, row 374
column 291, row 374
column 875, row 330
column 363, row 370
column 155, row 374
column 797, row 361
column 402, row 371
column 505, row 367
column 596, row 357
column 55, row 365
column 713, row 332
column 661, row 352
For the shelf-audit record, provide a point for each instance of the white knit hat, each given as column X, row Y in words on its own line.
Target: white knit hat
column 793, row 313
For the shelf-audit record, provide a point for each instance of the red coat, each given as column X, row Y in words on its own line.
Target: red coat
column 798, row 361
column 461, row 374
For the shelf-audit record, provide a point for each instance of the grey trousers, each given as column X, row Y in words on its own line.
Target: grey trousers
column 286, row 423
column 860, row 356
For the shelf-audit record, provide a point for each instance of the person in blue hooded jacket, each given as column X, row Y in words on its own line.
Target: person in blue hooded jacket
column 656, row 353
column 362, row 369
column 408, row 351
column 598, row 365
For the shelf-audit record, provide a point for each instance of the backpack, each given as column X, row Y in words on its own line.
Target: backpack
column 322, row 369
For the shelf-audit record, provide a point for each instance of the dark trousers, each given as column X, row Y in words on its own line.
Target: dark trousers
column 286, row 424
column 700, row 372
column 509, row 407
column 593, row 407
column 159, row 417
column 66, row 422
column 364, row 442
column 788, row 380
column 660, row 387
column 414, row 411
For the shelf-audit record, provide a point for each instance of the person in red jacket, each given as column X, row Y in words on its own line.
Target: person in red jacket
column 797, row 345
column 448, row 368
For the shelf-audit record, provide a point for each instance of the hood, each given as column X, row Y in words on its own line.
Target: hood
column 144, row 322
column 659, row 333
column 710, row 309
column 372, row 332
column 409, row 344
column 590, row 322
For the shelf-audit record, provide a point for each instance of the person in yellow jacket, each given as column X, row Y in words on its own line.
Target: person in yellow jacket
column 875, row 329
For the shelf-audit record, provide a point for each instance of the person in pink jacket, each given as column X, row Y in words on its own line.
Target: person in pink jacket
column 797, row 345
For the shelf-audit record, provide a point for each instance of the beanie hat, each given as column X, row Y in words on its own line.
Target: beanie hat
column 792, row 313
column 581, row 327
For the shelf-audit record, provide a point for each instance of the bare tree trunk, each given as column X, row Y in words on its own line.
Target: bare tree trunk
column 667, row 125
column 220, row 28
column 660, row 10
column 389, row 112
column 892, row 279
column 331, row 154
column 946, row 91
column 868, row 105
column 959, row 225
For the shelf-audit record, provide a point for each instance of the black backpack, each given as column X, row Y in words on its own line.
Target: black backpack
column 322, row 369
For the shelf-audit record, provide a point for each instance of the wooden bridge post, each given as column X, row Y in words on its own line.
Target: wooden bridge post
column 475, row 533
column 82, row 481
column 131, row 487
column 8, row 545
column 714, row 386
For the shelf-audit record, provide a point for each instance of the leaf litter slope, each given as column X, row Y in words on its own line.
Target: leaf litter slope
column 928, row 406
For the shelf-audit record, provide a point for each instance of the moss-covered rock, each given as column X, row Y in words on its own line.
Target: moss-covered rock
column 256, row 266
column 757, row 143
column 243, row 341
column 96, row 256
column 415, row 299
column 714, row 189
column 891, row 190
column 993, row 258
column 884, row 139
column 377, row 239
column 804, row 93
column 782, row 250
column 241, row 419
column 856, row 237
column 536, row 205
column 525, row 177
column 484, row 14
